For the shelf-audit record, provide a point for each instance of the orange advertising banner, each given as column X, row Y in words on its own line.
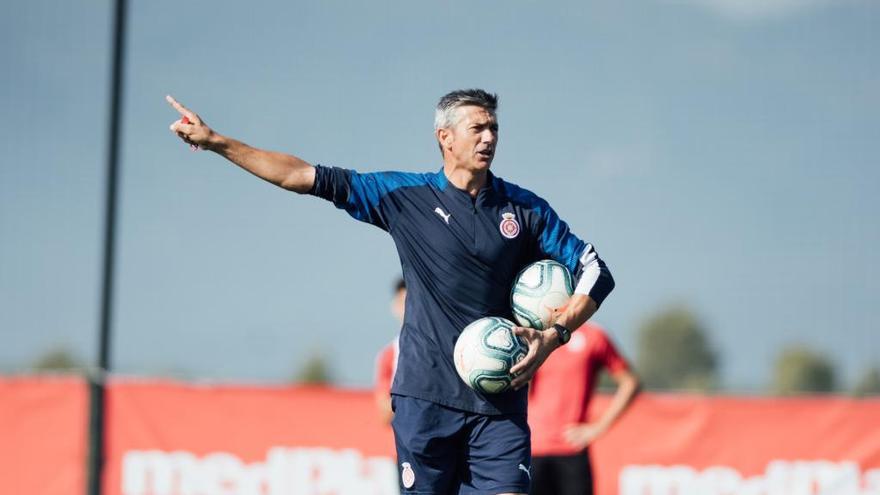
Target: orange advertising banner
column 681, row 444
column 173, row 439
column 167, row 438
column 43, row 424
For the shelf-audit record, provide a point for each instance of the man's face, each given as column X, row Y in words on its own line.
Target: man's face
column 471, row 141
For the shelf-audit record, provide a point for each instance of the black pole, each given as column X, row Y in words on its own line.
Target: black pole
column 97, row 378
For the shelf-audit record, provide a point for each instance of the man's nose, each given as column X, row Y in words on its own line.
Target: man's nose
column 489, row 136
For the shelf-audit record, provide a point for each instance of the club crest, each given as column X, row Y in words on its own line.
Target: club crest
column 407, row 476
column 509, row 226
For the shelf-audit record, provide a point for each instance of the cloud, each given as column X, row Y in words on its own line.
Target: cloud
column 749, row 10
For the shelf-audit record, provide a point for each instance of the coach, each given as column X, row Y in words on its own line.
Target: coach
column 462, row 235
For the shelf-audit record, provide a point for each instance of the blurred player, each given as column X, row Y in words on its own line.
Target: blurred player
column 559, row 399
column 462, row 235
column 386, row 361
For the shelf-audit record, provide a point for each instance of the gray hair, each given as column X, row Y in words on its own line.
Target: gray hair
column 446, row 114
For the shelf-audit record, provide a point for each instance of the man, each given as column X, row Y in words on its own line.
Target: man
column 559, row 398
column 386, row 361
column 462, row 235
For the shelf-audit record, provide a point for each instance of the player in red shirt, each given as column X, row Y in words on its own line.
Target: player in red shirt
column 559, row 397
column 386, row 361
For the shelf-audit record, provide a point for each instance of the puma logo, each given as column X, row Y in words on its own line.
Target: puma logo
column 523, row 468
column 443, row 214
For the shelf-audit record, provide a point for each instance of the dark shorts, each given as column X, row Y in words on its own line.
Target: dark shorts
column 446, row 451
column 562, row 475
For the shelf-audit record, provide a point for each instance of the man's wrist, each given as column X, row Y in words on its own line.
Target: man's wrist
column 217, row 142
column 551, row 338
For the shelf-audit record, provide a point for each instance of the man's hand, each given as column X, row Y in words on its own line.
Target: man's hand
column 190, row 126
column 581, row 435
column 541, row 344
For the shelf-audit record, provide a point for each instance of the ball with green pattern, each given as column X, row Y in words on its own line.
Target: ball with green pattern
column 484, row 353
column 540, row 293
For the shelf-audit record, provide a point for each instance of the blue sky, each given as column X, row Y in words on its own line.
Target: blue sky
column 717, row 152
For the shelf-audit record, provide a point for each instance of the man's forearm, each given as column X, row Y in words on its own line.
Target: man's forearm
column 594, row 285
column 627, row 388
column 281, row 169
column 580, row 308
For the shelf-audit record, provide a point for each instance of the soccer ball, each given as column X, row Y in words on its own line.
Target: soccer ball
column 485, row 352
column 541, row 291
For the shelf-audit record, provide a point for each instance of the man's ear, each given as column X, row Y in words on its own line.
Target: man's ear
column 444, row 137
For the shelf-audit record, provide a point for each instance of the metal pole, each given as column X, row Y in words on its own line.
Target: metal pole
column 96, row 380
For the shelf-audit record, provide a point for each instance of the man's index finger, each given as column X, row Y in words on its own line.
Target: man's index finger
column 180, row 108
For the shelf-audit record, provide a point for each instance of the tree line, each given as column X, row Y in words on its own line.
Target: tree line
column 673, row 353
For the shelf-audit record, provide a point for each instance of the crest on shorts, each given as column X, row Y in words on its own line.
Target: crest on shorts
column 407, row 476
column 509, row 226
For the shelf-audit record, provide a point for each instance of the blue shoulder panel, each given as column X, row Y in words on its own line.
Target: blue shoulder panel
column 554, row 237
column 361, row 194
column 557, row 242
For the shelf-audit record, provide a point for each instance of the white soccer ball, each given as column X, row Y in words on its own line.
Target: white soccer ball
column 484, row 353
column 540, row 293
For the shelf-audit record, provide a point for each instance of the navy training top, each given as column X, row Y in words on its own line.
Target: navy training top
column 459, row 256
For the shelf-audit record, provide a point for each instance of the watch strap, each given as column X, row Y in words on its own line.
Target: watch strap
column 563, row 333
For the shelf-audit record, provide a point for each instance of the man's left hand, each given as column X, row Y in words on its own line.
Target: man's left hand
column 581, row 435
column 541, row 344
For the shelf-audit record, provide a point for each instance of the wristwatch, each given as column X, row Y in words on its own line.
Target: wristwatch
column 564, row 333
